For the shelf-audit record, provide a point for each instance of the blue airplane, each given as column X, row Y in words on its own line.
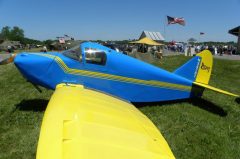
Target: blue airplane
column 90, row 115
column 100, row 68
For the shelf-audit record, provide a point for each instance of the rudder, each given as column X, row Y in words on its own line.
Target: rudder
column 205, row 67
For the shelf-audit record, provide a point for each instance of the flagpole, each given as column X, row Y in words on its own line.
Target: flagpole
column 164, row 26
column 199, row 35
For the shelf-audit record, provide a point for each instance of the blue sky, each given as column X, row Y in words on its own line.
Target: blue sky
column 121, row 19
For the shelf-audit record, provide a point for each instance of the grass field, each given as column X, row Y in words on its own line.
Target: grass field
column 206, row 128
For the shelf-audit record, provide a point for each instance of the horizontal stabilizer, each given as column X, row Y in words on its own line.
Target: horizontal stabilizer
column 215, row 89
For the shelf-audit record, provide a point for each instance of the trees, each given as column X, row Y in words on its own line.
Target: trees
column 14, row 34
column 17, row 34
column 5, row 33
column 31, row 41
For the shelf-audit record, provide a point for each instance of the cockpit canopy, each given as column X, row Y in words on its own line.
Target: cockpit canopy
column 88, row 54
column 74, row 53
column 95, row 56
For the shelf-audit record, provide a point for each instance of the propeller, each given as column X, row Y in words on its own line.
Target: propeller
column 6, row 58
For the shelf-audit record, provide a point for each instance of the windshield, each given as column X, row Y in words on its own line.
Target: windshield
column 95, row 56
column 74, row 53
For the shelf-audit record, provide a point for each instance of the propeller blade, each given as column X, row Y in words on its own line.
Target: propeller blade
column 6, row 58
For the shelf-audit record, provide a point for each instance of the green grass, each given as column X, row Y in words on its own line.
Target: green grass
column 199, row 128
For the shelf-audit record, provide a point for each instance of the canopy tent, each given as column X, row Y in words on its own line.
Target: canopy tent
column 147, row 41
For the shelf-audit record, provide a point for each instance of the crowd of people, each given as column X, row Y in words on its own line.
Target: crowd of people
column 214, row 49
column 218, row 50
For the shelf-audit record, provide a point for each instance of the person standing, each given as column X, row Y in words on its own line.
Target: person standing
column 44, row 49
column 186, row 50
column 220, row 50
column 9, row 49
column 215, row 50
column 192, row 51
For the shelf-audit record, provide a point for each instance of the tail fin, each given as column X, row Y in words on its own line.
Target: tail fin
column 197, row 69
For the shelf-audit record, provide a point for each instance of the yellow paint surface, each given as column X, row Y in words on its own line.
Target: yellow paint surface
column 84, row 124
column 205, row 67
column 216, row 89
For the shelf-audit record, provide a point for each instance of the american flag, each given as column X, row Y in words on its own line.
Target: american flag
column 61, row 40
column 174, row 20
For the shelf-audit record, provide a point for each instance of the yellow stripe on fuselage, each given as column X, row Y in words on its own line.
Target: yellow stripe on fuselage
column 152, row 83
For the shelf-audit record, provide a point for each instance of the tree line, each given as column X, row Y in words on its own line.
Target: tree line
column 17, row 34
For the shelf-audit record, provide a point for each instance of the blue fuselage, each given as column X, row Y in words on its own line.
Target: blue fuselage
column 103, row 69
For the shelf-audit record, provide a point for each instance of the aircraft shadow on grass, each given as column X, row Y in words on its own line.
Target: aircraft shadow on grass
column 36, row 105
column 198, row 102
column 39, row 105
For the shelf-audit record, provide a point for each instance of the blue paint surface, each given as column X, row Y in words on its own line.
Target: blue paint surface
column 190, row 69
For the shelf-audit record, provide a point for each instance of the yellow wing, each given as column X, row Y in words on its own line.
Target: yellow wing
column 84, row 124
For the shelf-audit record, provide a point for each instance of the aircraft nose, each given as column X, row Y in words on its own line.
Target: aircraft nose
column 32, row 66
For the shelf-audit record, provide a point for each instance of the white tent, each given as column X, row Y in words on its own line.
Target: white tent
column 156, row 36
